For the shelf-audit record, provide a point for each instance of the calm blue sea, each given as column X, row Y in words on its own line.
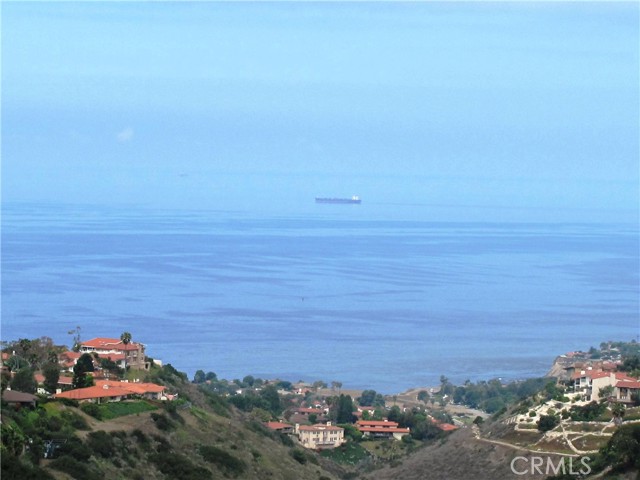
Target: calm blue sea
column 335, row 292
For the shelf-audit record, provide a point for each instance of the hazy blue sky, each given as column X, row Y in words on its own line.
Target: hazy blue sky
column 212, row 104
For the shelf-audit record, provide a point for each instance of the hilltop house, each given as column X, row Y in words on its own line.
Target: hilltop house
column 280, row 427
column 381, row 429
column 320, row 436
column 624, row 390
column 589, row 382
column 124, row 354
column 112, row 391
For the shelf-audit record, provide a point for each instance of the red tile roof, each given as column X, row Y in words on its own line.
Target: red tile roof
column 278, row 425
column 109, row 344
column 309, row 410
column 446, row 427
column 627, row 384
column 373, row 423
column 132, row 387
column 384, row 429
column 93, row 392
column 380, row 426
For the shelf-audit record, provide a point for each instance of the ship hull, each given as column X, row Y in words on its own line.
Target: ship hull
column 338, row 200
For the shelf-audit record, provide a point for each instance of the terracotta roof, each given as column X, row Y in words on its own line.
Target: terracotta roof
column 375, row 423
column 278, row 425
column 93, row 392
column 627, row 384
column 132, row 387
column 446, row 427
column 384, row 429
column 65, row 380
column 309, row 410
column 71, row 355
column 109, row 344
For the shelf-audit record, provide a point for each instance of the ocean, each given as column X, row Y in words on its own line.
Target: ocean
column 335, row 292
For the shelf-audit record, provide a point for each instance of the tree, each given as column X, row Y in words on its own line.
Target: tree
column 76, row 338
column 125, row 338
column 345, row 410
column 210, row 376
column 51, row 372
column 423, row 396
column 605, row 392
column 81, row 376
column 272, row 400
column 23, row 381
column 618, row 410
column 199, row 377
column 318, row 384
column 249, row 380
column 336, row 386
column 548, row 422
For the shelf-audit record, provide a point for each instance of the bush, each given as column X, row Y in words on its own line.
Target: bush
column 69, row 402
column 92, row 409
column 76, row 421
column 101, row 443
column 175, row 465
column 299, row 456
column 140, row 436
column 74, row 468
column 76, row 449
column 162, row 422
column 226, row 462
column 548, row 422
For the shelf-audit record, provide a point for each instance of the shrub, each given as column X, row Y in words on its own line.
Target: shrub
column 226, row 462
column 140, row 436
column 76, row 421
column 74, row 468
column 548, row 422
column 69, row 402
column 162, row 422
column 299, row 456
column 101, row 443
column 74, row 448
column 532, row 413
column 92, row 409
column 175, row 465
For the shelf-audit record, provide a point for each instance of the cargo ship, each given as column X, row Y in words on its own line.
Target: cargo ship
column 354, row 199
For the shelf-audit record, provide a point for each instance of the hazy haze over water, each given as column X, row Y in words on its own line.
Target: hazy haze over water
column 160, row 160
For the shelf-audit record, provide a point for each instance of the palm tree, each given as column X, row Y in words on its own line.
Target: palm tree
column 125, row 338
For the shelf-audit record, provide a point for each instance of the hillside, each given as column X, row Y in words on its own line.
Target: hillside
column 201, row 438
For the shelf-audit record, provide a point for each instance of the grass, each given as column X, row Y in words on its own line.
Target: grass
column 387, row 449
column 632, row 413
column 522, row 438
column 557, row 445
column 120, row 409
column 350, row 453
column 590, row 442
column 579, row 427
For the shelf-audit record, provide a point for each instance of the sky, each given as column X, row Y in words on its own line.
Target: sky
column 528, row 107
